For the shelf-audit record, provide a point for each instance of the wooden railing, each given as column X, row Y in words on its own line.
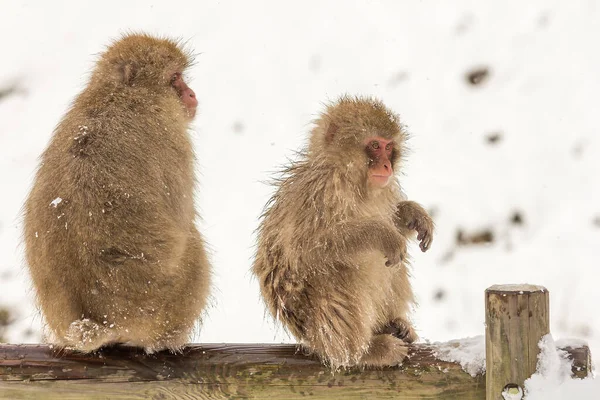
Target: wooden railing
column 516, row 317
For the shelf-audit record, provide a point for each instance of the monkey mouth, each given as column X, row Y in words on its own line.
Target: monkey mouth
column 380, row 180
column 191, row 112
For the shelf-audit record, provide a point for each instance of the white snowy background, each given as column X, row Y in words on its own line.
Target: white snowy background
column 525, row 141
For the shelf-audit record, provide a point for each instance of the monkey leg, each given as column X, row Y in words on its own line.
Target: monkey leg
column 337, row 322
column 384, row 350
column 194, row 288
column 394, row 317
column 153, row 327
column 72, row 331
column 59, row 301
column 86, row 335
column 177, row 308
column 337, row 344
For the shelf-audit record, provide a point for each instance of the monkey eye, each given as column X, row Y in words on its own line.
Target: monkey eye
column 388, row 146
column 175, row 77
column 375, row 144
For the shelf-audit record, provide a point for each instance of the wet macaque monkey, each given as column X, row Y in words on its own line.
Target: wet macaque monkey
column 331, row 258
column 109, row 232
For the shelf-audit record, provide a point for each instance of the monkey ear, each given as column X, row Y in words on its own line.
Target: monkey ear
column 128, row 73
column 330, row 133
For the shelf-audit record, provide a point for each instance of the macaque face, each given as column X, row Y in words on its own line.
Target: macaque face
column 379, row 151
column 187, row 95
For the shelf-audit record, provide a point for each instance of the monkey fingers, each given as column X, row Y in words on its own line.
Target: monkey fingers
column 392, row 261
column 425, row 238
column 412, row 216
column 401, row 329
column 424, row 230
column 396, row 254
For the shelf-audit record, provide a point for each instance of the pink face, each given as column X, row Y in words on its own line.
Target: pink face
column 187, row 95
column 380, row 152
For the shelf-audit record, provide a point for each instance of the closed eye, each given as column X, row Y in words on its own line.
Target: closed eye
column 175, row 77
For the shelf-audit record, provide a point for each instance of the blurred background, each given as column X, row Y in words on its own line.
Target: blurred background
column 501, row 100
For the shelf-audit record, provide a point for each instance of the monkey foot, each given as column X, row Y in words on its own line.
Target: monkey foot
column 86, row 335
column 400, row 329
column 384, row 350
column 173, row 346
column 173, row 341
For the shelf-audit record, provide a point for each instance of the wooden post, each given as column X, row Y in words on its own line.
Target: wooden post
column 516, row 318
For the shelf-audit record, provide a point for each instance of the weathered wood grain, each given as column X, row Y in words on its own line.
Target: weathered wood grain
column 244, row 371
column 516, row 318
column 223, row 372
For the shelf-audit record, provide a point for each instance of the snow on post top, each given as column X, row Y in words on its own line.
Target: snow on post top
column 516, row 288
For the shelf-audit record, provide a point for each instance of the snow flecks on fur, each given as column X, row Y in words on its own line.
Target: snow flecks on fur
column 54, row 203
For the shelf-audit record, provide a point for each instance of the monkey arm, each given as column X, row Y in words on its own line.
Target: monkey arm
column 411, row 216
column 345, row 239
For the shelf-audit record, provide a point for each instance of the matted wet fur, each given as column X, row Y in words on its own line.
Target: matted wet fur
column 331, row 257
column 109, row 232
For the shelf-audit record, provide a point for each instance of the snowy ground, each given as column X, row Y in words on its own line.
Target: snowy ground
column 524, row 141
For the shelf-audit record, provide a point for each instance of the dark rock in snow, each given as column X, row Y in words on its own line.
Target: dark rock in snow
column 477, row 76
column 238, row 127
column 439, row 295
column 494, row 138
column 7, row 91
column 517, row 218
column 481, row 237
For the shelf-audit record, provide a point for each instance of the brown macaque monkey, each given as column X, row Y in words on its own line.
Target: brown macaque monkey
column 109, row 231
column 331, row 259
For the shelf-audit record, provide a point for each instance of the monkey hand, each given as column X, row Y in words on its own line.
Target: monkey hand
column 414, row 218
column 424, row 228
column 395, row 251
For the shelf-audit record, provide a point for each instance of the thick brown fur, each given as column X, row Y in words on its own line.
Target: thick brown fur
column 331, row 257
column 109, row 231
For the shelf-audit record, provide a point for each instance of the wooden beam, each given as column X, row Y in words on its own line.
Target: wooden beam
column 223, row 371
column 582, row 360
column 242, row 371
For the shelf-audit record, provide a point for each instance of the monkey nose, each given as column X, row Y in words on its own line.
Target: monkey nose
column 189, row 98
